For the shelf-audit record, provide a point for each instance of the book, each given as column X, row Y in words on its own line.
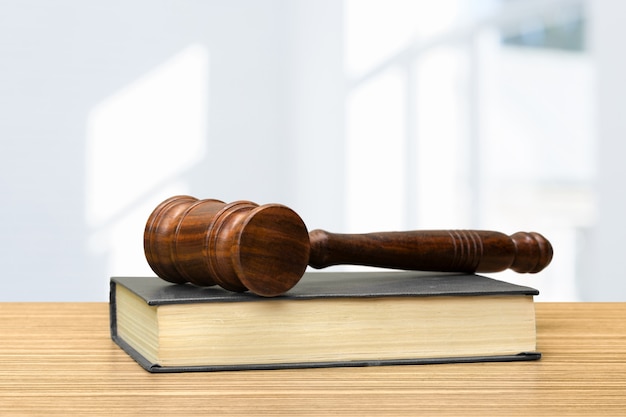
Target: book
column 329, row 319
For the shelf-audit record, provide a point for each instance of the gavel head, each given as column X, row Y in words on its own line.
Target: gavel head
column 239, row 246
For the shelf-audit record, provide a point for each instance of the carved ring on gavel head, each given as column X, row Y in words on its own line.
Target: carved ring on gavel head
column 243, row 246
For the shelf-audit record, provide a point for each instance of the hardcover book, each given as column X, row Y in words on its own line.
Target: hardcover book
column 328, row 319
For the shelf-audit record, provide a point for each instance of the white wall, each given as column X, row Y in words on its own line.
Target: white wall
column 107, row 108
column 99, row 122
column 604, row 276
column 315, row 114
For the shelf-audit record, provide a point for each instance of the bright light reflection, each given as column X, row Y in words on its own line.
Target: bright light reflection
column 376, row 197
column 375, row 29
column 140, row 142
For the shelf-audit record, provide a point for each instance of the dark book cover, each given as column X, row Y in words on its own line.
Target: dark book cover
column 155, row 292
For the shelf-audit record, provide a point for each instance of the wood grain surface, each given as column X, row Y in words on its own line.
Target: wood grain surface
column 58, row 359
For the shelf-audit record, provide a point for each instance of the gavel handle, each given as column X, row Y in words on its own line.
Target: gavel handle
column 433, row 250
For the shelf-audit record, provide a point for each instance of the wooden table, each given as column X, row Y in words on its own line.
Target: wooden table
column 58, row 359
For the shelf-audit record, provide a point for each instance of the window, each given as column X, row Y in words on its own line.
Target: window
column 485, row 124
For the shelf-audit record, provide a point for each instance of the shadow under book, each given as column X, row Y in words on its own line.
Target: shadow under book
column 329, row 319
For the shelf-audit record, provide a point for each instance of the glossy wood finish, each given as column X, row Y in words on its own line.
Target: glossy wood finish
column 433, row 250
column 240, row 246
column 59, row 360
column 266, row 249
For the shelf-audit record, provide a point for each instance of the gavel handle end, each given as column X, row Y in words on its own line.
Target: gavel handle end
column 533, row 252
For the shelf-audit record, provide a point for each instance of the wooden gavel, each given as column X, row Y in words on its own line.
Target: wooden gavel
column 265, row 249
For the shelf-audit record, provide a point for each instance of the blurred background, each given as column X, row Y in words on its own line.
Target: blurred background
column 361, row 115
